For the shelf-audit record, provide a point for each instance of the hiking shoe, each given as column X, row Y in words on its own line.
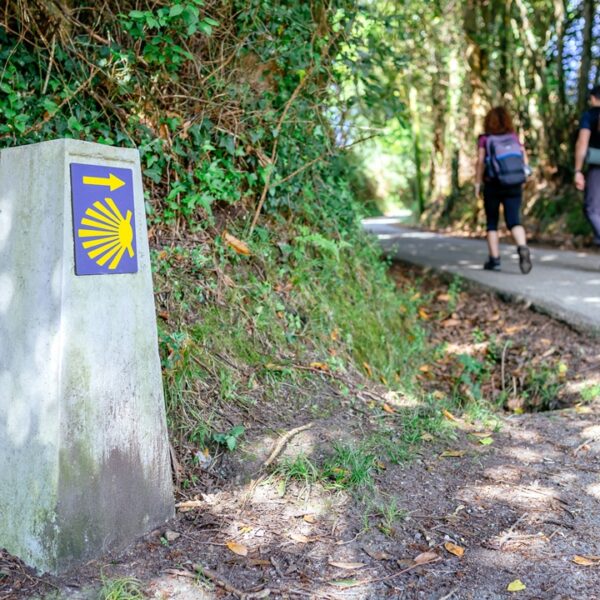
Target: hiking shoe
column 524, row 259
column 492, row 264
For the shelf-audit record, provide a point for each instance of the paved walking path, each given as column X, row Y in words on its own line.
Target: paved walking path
column 563, row 284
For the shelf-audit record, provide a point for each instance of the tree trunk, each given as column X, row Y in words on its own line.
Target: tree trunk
column 418, row 154
column 589, row 10
column 504, row 78
column 560, row 14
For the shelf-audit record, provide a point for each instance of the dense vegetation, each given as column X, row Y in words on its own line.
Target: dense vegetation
column 262, row 275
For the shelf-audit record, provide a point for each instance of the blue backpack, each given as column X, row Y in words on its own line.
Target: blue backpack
column 504, row 160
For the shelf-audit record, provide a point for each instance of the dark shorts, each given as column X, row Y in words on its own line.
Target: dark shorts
column 510, row 197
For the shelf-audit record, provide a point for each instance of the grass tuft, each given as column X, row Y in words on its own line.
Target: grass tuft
column 124, row 588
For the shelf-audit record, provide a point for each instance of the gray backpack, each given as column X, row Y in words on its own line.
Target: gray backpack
column 504, row 159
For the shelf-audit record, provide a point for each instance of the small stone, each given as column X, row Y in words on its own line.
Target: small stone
column 171, row 536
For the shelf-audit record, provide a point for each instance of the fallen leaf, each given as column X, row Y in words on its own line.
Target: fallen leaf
column 443, row 298
column 310, row 518
column 452, row 453
column 259, row 562
column 427, row 437
column 425, row 557
column 451, row 322
column 368, row 369
column 380, row 465
column 346, row 565
column 388, row 409
column 298, row 537
column 320, row 366
column 238, row 548
column 586, row 561
column 516, row 586
column 450, row 416
column 454, row 549
column 486, row 441
column 377, row 554
column 548, row 352
column 335, row 334
column 423, row 314
column 405, row 563
column 273, row 367
column 189, row 505
column 238, row 245
column 424, row 368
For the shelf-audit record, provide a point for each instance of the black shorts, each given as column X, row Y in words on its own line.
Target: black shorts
column 510, row 197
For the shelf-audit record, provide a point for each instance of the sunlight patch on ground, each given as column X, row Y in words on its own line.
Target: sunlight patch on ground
column 401, row 400
column 547, row 258
column 591, row 433
column 395, row 219
column 420, row 235
column 594, row 490
column 515, row 494
column 178, row 588
column 387, row 236
column 525, row 455
column 526, row 436
column 563, row 478
column 469, row 349
column 575, row 387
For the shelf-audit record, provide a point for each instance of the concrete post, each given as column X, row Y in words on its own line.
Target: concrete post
column 84, row 461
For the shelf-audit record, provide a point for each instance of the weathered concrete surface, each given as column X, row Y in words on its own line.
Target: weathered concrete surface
column 84, row 462
column 563, row 284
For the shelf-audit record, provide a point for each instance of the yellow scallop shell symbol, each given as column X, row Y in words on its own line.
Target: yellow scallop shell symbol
column 111, row 234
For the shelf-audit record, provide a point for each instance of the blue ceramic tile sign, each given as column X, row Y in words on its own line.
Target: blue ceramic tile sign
column 103, row 220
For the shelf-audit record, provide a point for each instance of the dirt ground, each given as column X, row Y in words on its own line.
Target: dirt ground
column 515, row 497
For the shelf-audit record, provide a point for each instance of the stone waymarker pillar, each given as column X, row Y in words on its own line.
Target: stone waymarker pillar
column 84, row 461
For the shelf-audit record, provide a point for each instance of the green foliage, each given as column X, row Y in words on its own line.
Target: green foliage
column 542, row 387
column 299, row 468
column 590, row 393
column 390, row 515
column 349, row 467
column 230, row 439
column 124, row 588
column 291, row 304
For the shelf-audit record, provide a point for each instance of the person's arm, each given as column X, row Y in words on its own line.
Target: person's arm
column 581, row 148
column 479, row 170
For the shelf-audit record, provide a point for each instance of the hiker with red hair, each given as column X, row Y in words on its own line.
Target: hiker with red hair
column 502, row 170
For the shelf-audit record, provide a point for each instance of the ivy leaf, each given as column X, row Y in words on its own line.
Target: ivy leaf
column 516, row 586
column 137, row 15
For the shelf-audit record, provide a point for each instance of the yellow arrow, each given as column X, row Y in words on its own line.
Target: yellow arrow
column 112, row 181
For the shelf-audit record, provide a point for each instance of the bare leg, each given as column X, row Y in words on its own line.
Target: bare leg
column 519, row 236
column 493, row 245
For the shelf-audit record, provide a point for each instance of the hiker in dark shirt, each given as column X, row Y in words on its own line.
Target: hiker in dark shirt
column 587, row 150
column 502, row 169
